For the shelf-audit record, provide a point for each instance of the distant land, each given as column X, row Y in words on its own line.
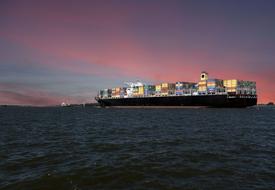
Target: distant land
column 69, row 105
column 93, row 105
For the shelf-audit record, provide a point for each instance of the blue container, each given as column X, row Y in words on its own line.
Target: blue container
column 148, row 92
column 211, row 89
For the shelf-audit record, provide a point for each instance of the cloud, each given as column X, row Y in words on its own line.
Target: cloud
column 146, row 41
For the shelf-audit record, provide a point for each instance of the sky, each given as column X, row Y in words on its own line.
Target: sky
column 65, row 51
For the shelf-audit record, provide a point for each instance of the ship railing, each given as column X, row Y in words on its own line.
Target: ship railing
column 167, row 95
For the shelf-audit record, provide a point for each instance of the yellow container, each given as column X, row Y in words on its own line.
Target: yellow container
column 141, row 90
column 164, row 85
column 231, row 89
column 230, row 83
column 158, row 87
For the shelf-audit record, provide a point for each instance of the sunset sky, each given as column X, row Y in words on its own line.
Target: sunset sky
column 54, row 51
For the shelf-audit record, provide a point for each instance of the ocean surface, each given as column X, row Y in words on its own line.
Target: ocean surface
column 76, row 148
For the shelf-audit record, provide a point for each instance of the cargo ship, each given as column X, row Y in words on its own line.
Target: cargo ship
column 206, row 93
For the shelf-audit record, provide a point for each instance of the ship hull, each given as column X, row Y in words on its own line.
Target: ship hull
column 181, row 101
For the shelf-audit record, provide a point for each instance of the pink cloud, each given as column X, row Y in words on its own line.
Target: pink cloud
column 101, row 38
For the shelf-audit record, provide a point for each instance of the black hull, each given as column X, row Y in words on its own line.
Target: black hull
column 190, row 101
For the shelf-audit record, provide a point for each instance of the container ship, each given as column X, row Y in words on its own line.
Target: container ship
column 206, row 93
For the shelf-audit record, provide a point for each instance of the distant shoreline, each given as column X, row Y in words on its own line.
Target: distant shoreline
column 38, row 106
column 85, row 105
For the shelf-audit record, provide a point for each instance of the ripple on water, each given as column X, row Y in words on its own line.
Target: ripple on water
column 86, row 148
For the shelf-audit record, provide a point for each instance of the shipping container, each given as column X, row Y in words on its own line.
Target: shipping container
column 184, row 85
column 135, row 91
column 179, row 85
column 123, row 92
column 105, row 93
column 240, row 86
column 179, row 92
column 249, row 84
column 158, row 88
column 167, row 89
column 157, row 93
column 164, row 85
column 231, row 89
column 141, row 90
column 211, row 90
column 149, row 90
column 150, row 87
column 214, row 83
column 187, row 91
column 231, row 83
column 115, row 92
column 164, row 90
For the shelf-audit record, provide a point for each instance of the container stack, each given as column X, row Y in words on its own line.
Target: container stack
column 205, row 86
column 247, row 87
column 158, row 90
column 235, row 86
column 214, row 85
column 141, row 91
column 231, row 85
column 189, row 87
column 149, row 90
column 164, row 89
column 135, row 91
column 105, row 93
column 123, row 92
column 116, row 92
column 179, row 88
column 185, row 88
column 167, row 89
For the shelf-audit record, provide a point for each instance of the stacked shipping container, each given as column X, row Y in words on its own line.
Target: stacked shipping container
column 214, row 86
column 204, row 86
column 240, row 87
column 140, row 90
column 167, row 89
column 179, row 88
column 116, row 92
column 149, row 90
column 158, row 89
column 123, row 92
column 105, row 93
column 231, row 85
column 185, row 88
